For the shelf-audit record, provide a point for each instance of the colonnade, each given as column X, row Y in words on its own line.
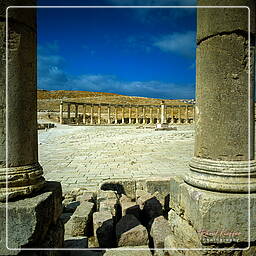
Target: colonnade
column 124, row 114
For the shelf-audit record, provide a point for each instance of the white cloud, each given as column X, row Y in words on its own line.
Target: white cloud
column 180, row 43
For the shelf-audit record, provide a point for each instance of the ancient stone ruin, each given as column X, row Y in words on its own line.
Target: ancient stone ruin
column 203, row 213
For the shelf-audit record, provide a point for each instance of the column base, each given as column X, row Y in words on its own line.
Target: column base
column 22, row 181
column 223, row 176
column 219, row 219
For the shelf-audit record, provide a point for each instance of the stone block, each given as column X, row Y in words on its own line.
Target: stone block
column 103, row 229
column 160, row 229
column 150, row 207
column 162, row 187
column 130, row 208
column 76, row 242
column 109, row 205
column 129, row 251
column 218, row 217
column 87, row 196
column 71, row 207
column 105, row 196
column 30, row 219
column 130, row 232
column 80, row 222
column 126, row 187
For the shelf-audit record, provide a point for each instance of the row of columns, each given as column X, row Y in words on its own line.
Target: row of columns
column 161, row 117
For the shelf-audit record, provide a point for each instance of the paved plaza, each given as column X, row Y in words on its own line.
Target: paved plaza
column 84, row 156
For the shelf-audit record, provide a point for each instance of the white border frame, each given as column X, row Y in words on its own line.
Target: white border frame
column 130, row 249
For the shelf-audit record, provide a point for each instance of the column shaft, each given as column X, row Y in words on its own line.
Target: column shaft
column 130, row 115
column 76, row 111
column 84, row 114
column 91, row 114
column 18, row 119
column 68, row 112
column 179, row 114
column 151, row 115
column 143, row 116
column 122, row 115
column 61, row 112
column 115, row 115
column 137, row 115
column 223, row 127
column 109, row 115
column 99, row 114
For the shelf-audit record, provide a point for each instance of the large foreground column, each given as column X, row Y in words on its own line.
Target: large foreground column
column 224, row 123
column 163, row 114
column 18, row 112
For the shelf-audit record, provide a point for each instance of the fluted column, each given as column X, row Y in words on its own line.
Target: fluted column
column 224, row 127
column 99, row 114
column 18, row 119
column 92, row 114
column 109, row 115
column 61, row 112
column 84, row 114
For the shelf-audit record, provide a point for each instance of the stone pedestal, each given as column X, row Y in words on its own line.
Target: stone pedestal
column 33, row 222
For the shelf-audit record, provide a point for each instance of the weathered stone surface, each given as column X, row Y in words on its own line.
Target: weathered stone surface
column 211, row 212
column 87, row 196
column 30, row 219
column 129, row 251
column 103, row 229
column 126, row 187
column 105, row 195
column 76, row 242
column 80, row 222
column 67, row 201
column 212, row 21
column 160, row 229
column 130, row 232
column 109, row 205
column 162, row 187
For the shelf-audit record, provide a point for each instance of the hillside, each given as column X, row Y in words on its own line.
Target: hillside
column 50, row 100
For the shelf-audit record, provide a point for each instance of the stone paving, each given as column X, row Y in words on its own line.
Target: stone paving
column 84, row 156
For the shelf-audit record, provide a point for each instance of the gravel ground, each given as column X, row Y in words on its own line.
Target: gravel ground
column 84, row 156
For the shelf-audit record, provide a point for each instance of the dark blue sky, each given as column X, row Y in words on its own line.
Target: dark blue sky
column 138, row 52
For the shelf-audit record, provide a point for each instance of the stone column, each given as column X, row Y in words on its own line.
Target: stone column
column 163, row 117
column 151, row 115
column 130, row 115
column 137, row 115
column 109, row 121
column 61, row 112
column 115, row 115
column 157, row 115
column 84, row 114
column 143, row 115
column 68, row 112
column 92, row 114
column 179, row 114
column 172, row 115
column 122, row 115
column 18, row 112
column 76, row 110
column 222, row 156
column 186, row 115
column 193, row 113
column 99, row 114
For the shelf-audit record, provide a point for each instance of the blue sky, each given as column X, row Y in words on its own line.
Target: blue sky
column 137, row 52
